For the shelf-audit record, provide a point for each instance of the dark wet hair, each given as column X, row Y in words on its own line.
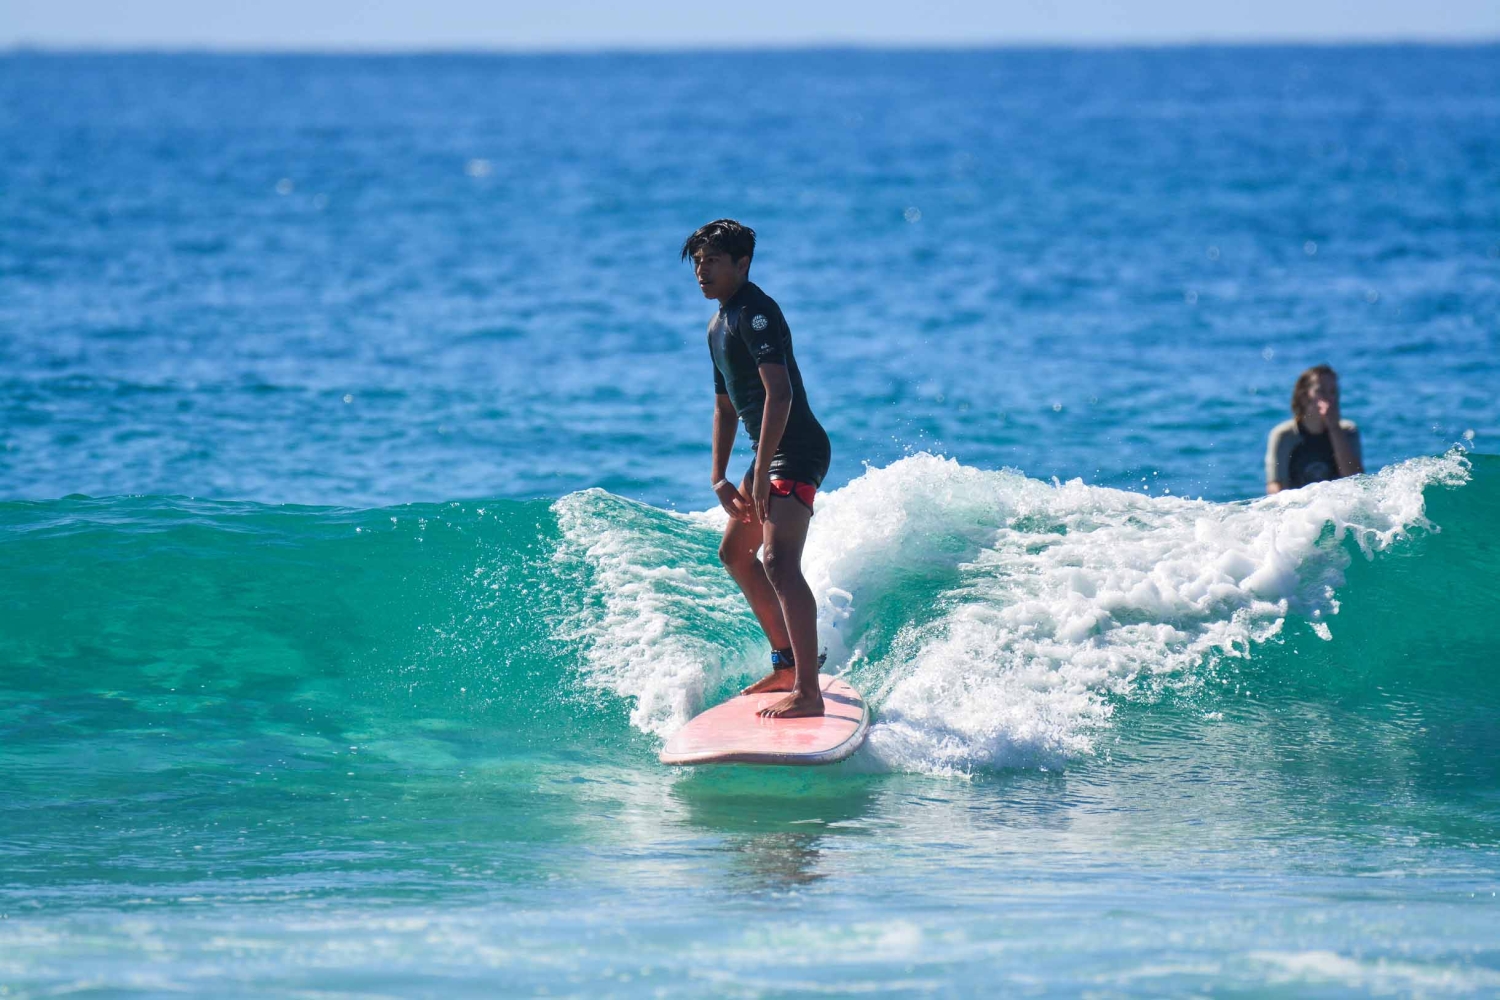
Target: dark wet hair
column 724, row 235
column 1304, row 386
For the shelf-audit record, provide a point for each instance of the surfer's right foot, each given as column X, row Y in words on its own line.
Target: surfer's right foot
column 796, row 705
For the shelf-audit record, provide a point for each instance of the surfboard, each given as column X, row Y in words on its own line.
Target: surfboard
column 731, row 732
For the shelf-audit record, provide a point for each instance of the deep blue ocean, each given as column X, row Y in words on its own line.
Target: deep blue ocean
column 357, row 552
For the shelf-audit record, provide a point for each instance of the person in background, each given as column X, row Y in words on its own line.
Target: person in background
column 1317, row 444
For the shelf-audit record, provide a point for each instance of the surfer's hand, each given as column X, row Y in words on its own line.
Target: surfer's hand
column 1325, row 400
column 760, row 494
column 732, row 500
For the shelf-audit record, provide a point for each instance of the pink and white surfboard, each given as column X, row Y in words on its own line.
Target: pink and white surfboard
column 731, row 733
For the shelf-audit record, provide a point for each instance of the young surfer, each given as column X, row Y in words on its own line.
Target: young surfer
column 1316, row 444
column 756, row 381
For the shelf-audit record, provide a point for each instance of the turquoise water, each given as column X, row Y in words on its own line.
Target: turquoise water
column 411, row 750
column 355, row 558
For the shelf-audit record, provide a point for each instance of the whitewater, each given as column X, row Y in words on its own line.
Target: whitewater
column 1024, row 606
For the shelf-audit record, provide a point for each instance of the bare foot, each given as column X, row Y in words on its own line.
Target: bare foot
column 779, row 679
column 794, row 706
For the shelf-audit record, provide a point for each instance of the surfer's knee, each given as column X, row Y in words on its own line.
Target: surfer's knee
column 781, row 569
column 733, row 554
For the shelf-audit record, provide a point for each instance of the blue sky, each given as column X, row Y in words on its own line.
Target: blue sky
column 590, row 24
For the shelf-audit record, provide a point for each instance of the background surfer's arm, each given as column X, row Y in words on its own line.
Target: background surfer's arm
column 1345, row 449
column 725, row 423
column 778, row 407
column 1279, row 447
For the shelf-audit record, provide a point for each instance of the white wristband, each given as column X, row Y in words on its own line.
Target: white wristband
column 721, row 482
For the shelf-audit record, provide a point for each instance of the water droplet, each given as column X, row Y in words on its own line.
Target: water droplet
column 1056, row 407
column 1213, row 253
column 1310, row 248
column 1469, row 434
column 1190, row 297
column 478, row 168
column 1268, row 353
column 913, row 214
column 1372, row 296
column 285, row 186
column 348, row 397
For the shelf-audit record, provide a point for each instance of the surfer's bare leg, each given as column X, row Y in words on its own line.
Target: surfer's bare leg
column 737, row 553
column 784, row 533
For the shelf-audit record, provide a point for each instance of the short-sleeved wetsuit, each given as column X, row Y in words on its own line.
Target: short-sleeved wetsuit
column 749, row 331
column 1295, row 458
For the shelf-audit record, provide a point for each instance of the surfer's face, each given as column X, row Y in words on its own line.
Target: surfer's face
column 718, row 275
column 1321, row 389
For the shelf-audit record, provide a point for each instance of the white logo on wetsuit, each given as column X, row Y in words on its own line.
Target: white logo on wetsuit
column 758, row 323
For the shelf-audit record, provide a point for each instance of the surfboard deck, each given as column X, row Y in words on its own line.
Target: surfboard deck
column 731, row 732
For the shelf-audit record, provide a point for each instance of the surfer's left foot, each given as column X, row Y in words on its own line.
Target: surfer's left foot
column 783, row 675
column 779, row 679
column 795, row 706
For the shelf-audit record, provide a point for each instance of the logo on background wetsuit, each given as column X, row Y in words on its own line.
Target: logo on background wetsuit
column 758, row 323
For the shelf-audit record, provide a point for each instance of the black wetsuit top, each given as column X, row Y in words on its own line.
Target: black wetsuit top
column 750, row 331
column 1313, row 460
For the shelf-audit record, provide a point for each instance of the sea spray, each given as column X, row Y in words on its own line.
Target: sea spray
column 656, row 622
column 1089, row 593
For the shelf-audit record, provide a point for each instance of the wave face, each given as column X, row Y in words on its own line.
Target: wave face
column 994, row 621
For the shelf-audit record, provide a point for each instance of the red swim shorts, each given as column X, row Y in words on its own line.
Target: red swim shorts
column 791, row 488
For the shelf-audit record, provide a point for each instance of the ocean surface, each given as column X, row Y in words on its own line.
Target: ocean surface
column 356, row 551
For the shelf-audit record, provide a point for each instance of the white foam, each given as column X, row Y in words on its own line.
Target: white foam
column 1026, row 607
column 651, row 613
column 1373, row 976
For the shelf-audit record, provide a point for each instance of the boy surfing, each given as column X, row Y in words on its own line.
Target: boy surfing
column 756, row 381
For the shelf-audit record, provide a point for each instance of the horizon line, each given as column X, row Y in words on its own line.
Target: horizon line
column 806, row 46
